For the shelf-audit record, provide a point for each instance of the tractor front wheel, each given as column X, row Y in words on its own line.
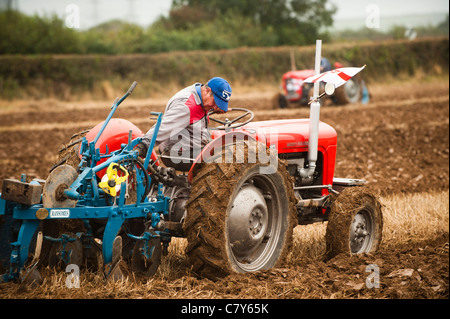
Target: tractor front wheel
column 355, row 223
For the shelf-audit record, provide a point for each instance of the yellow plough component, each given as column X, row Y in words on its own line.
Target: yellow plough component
column 109, row 186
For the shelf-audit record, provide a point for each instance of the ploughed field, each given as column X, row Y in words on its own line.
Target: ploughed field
column 398, row 142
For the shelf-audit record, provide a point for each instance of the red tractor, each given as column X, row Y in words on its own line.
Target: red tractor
column 280, row 173
column 296, row 92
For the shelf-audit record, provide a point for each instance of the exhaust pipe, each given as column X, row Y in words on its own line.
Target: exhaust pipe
column 314, row 114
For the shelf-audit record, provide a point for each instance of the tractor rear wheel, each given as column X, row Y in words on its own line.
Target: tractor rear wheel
column 239, row 218
column 355, row 223
column 69, row 154
column 350, row 92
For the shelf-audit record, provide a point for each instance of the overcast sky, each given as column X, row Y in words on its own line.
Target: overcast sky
column 357, row 8
column 144, row 12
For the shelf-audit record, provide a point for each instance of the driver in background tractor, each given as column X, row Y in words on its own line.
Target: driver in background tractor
column 184, row 127
column 325, row 65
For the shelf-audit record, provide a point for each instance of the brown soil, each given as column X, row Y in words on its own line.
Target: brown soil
column 399, row 143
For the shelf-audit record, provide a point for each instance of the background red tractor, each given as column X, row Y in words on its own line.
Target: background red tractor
column 295, row 92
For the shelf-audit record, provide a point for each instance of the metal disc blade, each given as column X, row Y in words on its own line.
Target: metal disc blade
column 57, row 181
column 140, row 263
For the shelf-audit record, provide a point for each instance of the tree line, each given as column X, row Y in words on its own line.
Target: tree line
column 189, row 25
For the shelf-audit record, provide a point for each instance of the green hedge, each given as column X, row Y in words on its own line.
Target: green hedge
column 70, row 76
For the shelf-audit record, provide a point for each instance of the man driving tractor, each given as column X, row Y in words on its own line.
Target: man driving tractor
column 184, row 127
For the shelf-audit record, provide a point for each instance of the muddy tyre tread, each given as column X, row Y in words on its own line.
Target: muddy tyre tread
column 341, row 95
column 204, row 225
column 68, row 153
column 344, row 209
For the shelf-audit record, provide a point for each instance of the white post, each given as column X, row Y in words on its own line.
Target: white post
column 317, row 66
column 314, row 115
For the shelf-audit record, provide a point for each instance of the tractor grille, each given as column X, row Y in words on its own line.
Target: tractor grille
column 293, row 88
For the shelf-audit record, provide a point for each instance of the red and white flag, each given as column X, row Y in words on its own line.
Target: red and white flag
column 338, row 76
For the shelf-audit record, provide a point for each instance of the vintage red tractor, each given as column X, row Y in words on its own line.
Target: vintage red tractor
column 295, row 92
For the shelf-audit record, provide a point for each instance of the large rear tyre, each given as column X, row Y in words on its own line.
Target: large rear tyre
column 355, row 223
column 239, row 219
column 69, row 154
column 350, row 92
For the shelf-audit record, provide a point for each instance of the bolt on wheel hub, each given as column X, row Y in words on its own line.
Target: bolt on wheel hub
column 248, row 221
column 360, row 239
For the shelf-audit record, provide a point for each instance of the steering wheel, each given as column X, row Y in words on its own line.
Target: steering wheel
column 231, row 124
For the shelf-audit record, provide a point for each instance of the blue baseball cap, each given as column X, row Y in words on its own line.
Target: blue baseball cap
column 222, row 92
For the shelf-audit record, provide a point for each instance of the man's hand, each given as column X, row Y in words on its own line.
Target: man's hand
column 141, row 149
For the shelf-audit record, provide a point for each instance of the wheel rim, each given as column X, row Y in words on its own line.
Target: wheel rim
column 352, row 90
column 361, row 233
column 254, row 225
